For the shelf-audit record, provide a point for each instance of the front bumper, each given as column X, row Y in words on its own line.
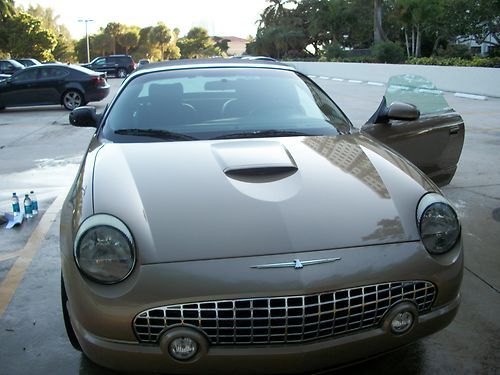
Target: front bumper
column 102, row 316
column 131, row 357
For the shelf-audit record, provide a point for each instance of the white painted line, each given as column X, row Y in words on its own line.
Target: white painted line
column 470, row 96
column 430, row 91
column 323, row 77
column 375, row 84
column 399, row 87
column 10, row 255
column 354, row 81
column 312, row 76
column 338, row 79
column 14, row 277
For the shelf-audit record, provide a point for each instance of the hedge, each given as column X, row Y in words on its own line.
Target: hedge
column 476, row 61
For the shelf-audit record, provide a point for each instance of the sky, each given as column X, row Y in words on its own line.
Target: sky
column 219, row 17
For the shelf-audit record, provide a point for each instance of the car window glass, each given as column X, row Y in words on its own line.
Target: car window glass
column 207, row 103
column 100, row 61
column 25, row 75
column 6, row 65
column 418, row 91
column 52, row 73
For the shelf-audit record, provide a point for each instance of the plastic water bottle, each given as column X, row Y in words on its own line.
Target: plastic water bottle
column 15, row 204
column 28, row 208
column 34, row 203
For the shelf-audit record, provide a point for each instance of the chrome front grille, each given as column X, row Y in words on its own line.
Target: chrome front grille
column 287, row 319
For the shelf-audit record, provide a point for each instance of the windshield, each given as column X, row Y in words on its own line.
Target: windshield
column 216, row 103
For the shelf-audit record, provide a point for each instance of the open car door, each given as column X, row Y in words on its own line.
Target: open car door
column 415, row 120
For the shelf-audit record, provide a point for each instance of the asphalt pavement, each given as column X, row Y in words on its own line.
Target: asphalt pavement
column 40, row 151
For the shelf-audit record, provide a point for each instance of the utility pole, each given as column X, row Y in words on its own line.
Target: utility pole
column 87, row 37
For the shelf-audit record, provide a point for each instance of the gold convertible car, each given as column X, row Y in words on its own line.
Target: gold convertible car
column 228, row 218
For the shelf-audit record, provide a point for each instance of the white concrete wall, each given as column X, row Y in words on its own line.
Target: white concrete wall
column 479, row 81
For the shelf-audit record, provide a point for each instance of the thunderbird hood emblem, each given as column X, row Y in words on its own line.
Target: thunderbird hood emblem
column 297, row 263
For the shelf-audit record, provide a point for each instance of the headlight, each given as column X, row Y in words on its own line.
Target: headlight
column 438, row 223
column 104, row 249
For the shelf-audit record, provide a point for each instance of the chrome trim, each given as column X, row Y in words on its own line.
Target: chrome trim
column 285, row 319
column 297, row 263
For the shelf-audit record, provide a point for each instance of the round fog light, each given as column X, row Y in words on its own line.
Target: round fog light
column 183, row 348
column 402, row 322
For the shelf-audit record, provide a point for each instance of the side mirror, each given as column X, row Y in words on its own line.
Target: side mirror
column 402, row 111
column 85, row 116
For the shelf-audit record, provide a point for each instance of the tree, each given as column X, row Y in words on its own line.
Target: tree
column 144, row 47
column 484, row 21
column 274, row 12
column 129, row 39
column 419, row 17
column 101, row 43
column 7, row 8
column 64, row 50
column 27, row 37
column 222, row 44
column 378, row 32
column 197, row 44
column 160, row 36
column 114, row 29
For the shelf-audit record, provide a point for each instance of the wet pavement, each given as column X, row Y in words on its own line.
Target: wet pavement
column 40, row 151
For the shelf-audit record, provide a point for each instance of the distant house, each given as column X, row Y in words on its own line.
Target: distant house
column 237, row 46
column 480, row 49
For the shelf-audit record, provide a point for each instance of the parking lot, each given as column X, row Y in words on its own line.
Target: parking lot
column 40, row 151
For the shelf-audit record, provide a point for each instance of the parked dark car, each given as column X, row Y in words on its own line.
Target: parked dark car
column 116, row 65
column 69, row 85
column 28, row 62
column 10, row 66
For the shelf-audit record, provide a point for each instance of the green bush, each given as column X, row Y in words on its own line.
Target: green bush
column 455, row 50
column 334, row 51
column 476, row 61
column 388, row 52
column 355, row 59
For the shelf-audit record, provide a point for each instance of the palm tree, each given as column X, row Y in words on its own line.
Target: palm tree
column 102, row 43
column 274, row 11
column 160, row 35
column 129, row 40
column 114, row 29
column 378, row 31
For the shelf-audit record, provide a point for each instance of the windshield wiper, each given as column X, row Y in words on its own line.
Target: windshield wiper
column 263, row 133
column 158, row 133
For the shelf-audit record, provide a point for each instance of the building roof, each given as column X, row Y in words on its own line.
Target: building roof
column 234, row 39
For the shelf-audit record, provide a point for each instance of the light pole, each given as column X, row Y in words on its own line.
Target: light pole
column 87, row 37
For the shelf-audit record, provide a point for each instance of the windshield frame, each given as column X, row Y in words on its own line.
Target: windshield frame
column 308, row 81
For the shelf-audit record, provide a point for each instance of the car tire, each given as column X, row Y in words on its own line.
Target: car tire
column 67, row 322
column 121, row 73
column 72, row 99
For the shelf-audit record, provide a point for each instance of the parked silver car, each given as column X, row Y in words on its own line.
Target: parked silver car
column 228, row 218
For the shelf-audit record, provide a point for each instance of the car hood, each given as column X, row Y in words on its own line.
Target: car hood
column 232, row 198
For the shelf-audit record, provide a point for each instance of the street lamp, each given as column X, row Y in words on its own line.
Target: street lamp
column 87, row 37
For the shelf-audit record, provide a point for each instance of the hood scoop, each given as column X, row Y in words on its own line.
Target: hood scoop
column 254, row 161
